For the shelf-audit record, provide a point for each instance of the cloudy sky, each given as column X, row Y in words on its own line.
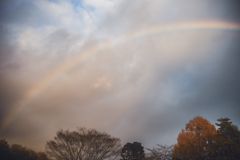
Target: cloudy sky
column 138, row 70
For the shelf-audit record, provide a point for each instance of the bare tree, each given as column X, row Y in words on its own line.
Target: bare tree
column 161, row 152
column 83, row 144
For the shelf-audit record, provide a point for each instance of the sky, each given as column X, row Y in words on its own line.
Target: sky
column 138, row 70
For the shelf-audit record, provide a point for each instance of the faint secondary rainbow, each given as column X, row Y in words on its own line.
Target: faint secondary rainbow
column 55, row 73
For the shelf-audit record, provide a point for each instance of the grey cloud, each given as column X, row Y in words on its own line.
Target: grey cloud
column 233, row 12
column 214, row 89
column 19, row 14
column 132, row 16
column 143, row 89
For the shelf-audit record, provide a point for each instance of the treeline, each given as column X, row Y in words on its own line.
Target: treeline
column 18, row 152
column 199, row 140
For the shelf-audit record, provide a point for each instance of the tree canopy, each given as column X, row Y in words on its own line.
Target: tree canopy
column 161, row 152
column 196, row 140
column 227, row 140
column 133, row 151
column 18, row 152
column 84, row 144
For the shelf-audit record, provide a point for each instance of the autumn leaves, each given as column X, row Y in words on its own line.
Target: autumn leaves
column 201, row 140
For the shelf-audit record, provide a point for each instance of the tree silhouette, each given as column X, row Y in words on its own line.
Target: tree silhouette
column 196, row 141
column 4, row 150
column 18, row 152
column 133, row 151
column 84, row 144
column 227, row 140
column 22, row 153
column 161, row 152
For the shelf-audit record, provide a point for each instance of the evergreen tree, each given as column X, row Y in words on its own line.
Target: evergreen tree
column 227, row 140
column 133, row 151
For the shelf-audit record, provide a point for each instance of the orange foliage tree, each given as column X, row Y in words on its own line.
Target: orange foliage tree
column 196, row 140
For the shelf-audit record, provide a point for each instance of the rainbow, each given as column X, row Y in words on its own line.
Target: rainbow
column 55, row 73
